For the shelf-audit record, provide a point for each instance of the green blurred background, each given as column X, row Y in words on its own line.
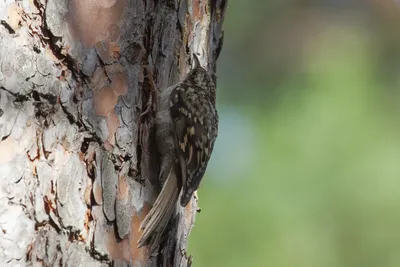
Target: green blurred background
column 306, row 169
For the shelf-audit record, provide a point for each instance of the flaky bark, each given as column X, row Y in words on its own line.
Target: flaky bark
column 77, row 174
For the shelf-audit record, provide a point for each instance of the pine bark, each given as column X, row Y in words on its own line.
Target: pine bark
column 77, row 168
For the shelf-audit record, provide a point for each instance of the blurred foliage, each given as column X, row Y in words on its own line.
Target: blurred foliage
column 306, row 170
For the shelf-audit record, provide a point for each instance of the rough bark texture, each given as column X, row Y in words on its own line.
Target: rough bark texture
column 77, row 174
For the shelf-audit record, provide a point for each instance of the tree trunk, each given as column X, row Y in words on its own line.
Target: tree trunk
column 77, row 172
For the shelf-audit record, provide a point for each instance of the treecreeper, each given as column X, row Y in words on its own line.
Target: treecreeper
column 186, row 128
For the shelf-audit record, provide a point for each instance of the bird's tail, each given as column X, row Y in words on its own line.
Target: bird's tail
column 157, row 219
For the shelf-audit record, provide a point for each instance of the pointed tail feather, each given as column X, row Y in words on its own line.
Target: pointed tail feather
column 157, row 219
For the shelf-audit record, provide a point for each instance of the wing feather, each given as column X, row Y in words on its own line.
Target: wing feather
column 193, row 136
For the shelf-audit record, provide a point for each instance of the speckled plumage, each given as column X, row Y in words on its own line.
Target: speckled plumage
column 195, row 126
column 186, row 129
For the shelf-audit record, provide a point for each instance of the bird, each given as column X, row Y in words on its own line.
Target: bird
column 186, row 126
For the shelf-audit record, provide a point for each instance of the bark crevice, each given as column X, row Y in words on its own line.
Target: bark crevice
column 78, row 162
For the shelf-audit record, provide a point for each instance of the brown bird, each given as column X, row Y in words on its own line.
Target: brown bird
column 186, row 129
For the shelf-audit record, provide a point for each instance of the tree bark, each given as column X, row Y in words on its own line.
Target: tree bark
column 77, row 172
